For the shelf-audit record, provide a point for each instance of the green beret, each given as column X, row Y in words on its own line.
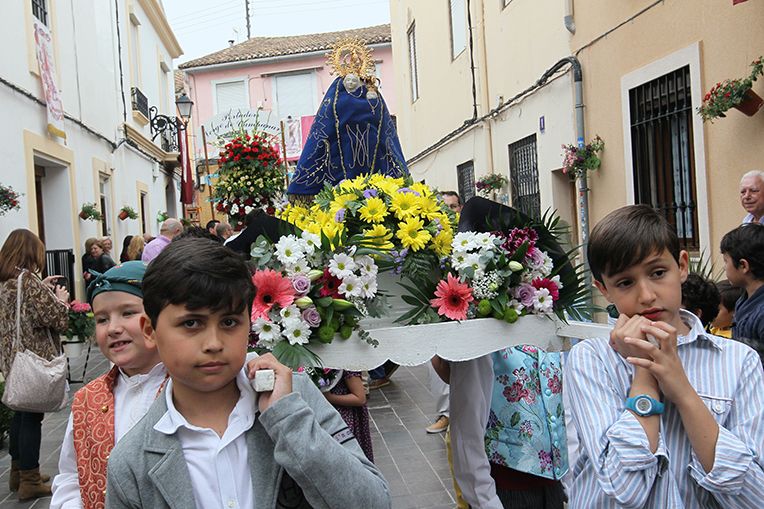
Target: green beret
column 126, row 277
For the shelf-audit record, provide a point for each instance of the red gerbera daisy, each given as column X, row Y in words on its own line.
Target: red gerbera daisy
column 329, row 286
column 271, row 288
column 453, row 299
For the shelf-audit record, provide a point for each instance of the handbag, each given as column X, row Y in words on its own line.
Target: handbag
column 34, row 384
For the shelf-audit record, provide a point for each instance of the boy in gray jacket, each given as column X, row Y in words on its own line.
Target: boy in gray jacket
column 209, row 440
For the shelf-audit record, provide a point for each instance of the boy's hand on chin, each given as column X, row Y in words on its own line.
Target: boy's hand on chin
column 662, row 362
column 282, row 379
column 626, row 327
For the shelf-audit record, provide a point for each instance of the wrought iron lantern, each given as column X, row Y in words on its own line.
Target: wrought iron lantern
column 170, row 127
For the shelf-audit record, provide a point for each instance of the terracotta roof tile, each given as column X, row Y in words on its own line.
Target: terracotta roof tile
column 268, row 47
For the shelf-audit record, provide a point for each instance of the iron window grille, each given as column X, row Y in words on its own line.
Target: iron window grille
column 662, row 151
column 524, row 176
column 465, row 173
column 40, row 10
column 140, row 101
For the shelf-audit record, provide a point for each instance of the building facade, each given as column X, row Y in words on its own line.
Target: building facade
column 271, row 79
column 645, row 66
column 112, row 64
column 469, row 99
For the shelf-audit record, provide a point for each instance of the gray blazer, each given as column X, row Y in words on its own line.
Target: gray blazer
column 300, row 439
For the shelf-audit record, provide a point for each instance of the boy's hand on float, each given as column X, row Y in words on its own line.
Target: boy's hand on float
column 662, row 362
column 282, row 379
column 624, row 328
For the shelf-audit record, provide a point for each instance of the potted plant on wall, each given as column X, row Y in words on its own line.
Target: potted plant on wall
column 80, row 328
column 577, row 161
column 89, row 212
column 9, row 199
column 126, row 212
column 162, row 216
column 737, row 93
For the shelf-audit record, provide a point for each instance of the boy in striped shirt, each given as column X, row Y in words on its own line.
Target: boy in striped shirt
column 667, row 414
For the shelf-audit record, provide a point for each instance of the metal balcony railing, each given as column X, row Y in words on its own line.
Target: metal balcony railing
column 140, row 102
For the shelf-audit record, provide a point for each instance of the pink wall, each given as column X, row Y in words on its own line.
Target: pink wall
column 260, row 79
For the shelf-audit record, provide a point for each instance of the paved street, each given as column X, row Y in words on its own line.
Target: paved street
column 413, row 462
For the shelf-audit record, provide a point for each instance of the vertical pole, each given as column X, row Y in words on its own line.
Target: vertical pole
column 249, row 34
column 207, row 165
column 283, row 150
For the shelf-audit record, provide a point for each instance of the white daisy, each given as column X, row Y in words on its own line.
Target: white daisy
column 368, row 287
column 351, row 286
column 300, row 267
column 298, row 333
column 289, row 314
column 267, row 331
column 288, row 250
column 367, row 265
column 341, row 266
column 311, row 242
column 542, row 301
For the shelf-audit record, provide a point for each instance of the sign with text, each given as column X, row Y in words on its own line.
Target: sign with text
column 225, row 126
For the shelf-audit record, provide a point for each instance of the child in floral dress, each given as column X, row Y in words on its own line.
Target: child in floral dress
column 349, row 398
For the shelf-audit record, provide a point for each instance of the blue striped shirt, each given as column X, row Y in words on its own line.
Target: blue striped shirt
column 617, row 469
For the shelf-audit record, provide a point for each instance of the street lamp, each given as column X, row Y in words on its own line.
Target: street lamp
column 170, row 127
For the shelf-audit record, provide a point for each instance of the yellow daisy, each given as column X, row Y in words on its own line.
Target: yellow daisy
column 428, row 206
column 404, row 204
column 374, row 211
column 380, row 237
column 340, row 201
column 441, row 244
column 412, row 234
column 421, row 188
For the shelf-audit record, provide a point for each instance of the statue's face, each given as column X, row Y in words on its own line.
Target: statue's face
column 351, row 83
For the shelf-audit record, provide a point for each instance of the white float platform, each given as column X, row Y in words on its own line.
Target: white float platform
column 455, row 341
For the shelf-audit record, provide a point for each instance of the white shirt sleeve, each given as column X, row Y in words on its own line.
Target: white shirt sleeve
column 66, row 485
column 470, row 404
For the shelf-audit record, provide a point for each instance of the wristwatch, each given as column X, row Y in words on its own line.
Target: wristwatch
column 644, row 405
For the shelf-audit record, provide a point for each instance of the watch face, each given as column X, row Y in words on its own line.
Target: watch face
column 644, row 405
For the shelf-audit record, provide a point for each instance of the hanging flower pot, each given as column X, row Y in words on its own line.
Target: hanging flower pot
column 126, row 212
column 750, row 104
column 84, row 215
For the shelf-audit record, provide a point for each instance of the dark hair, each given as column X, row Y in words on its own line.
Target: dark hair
column 627, row 236
column 124, row 256
column 211, row 224
column 195, row 232
column 746, row 242
column 197, row 273
column 729, row 294
column 452, row 193
column 700, row 294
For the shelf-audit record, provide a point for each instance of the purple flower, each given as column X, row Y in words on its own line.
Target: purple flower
column 369, row 193
column 525, row 293
column 311, row 316
column 407, row 190
column 340, row 215
column 301, row 284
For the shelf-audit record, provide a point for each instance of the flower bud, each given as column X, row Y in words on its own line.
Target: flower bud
column 315, row 274
column 303, row 302
column 342, row 304
column 515, row 266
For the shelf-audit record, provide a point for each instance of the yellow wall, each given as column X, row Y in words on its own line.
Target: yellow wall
column 727, row 38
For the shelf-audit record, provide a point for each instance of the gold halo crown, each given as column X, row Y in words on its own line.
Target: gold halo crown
column 351, row 56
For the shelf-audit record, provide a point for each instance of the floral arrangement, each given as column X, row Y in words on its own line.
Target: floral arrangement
column 324, row 378
column 577, row 161
column 490, row 183
column 403, row 219
column 127, row 212
column 729, row 93
column 81, row 321
column 504, row 274
column 251, row 176
column 89, row 212
column 305, row 292
column 9, row 199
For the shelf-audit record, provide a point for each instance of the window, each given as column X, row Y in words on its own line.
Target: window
column 524, row 176
column 135, row 51
column 465, row 173
column 412, row 64
column 294, row 95
column 40, row 10
column 231, row 95
column 458, row 27
column 378, row 74
column 661, row 145
column 104, row 199
column 143, row 204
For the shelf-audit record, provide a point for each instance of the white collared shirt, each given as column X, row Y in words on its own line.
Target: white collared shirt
column 218, row 466
column 133, row 395
column 749, row 219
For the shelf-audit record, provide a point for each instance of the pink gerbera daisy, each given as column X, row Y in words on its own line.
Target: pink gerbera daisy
column 453, row 298
column 271, row 288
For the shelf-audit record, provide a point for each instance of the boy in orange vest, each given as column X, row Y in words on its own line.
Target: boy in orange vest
column 106, row 408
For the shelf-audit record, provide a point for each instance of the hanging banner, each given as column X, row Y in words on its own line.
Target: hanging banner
column 293, row 138
column 47, row 66
column 735, row 2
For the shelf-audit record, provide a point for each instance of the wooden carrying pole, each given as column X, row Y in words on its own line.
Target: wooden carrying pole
column 207, row 167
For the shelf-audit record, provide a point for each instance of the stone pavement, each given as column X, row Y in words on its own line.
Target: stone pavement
column 413, row 462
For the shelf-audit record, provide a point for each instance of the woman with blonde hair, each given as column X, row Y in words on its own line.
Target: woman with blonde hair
column 135, row 249
column 44, row 312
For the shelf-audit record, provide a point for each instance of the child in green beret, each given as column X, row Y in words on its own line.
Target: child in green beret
column 106, row 408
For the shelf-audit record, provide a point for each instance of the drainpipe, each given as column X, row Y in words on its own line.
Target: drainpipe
column 570, row 24
column 486, row 93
